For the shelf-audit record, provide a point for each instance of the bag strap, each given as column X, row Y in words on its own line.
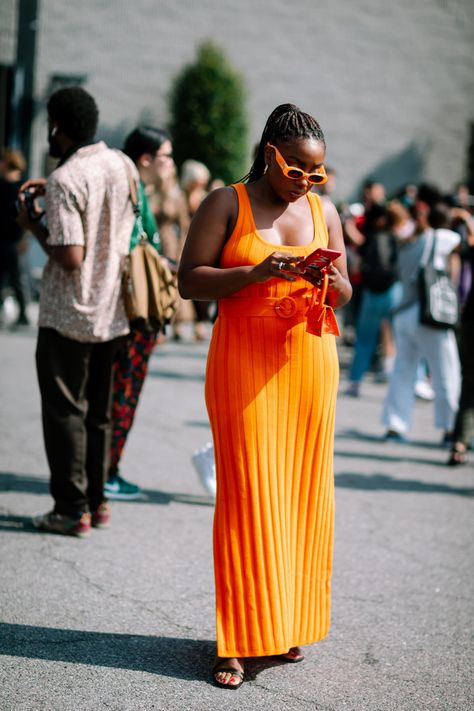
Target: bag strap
column 134, row 199
column 429, row 250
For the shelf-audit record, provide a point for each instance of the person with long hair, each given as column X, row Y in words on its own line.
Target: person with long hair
column 271, row 388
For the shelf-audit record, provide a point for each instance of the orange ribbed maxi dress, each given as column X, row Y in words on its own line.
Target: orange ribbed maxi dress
column 271, row 395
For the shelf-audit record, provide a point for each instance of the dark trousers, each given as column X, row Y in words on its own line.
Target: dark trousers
column 75, row 381
column 10, row 274
column 464, row 428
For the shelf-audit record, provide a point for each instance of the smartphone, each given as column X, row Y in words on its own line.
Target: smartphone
column 320, row 258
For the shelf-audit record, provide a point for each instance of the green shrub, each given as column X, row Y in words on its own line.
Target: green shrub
column 208, row 116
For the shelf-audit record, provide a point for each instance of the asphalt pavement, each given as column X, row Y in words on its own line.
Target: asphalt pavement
column 124, row 621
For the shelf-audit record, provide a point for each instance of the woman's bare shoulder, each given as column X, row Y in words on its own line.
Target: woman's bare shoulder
column 329, row 209
column 222, row 198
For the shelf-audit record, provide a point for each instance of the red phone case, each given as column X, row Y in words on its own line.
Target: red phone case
column 320, row 258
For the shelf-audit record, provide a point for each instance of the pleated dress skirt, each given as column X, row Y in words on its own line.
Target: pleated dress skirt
column 271, row 392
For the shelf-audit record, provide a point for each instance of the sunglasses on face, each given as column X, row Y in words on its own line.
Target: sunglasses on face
column 317, row 178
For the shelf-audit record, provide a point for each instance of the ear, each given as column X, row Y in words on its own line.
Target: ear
column 145, row 160
column 267, row 154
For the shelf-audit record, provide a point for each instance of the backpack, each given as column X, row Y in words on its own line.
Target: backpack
column 379, row 270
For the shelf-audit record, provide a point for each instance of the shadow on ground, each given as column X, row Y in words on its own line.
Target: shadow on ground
column 383, row 482
column 197, row 423
column 366, row 437
column 381, row 457
column 188, row 659
column 167, row 656
column 27, row 483
column 170, row 375
column 184, row 352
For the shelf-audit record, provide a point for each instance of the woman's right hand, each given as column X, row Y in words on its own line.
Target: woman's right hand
column 281, row 266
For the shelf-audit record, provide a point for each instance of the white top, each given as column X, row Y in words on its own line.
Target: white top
column 87, row 204
column 412, row 255
column 446, row 241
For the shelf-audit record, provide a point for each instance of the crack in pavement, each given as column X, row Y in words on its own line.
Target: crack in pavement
column 141, row 604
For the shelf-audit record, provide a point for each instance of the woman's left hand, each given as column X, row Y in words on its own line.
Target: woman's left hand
column 338, row 285
column 336, row 280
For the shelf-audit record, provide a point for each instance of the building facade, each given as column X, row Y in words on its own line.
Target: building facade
column 392, row 84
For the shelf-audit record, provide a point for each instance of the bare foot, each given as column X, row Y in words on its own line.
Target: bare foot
column 228, row 672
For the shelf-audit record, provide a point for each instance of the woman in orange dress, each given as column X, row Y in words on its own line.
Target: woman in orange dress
column 271, row 389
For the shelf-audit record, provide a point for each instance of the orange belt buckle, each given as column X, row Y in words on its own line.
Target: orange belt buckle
column 285, row 307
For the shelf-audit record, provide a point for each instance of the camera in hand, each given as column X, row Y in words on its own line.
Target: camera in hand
column 29, row 202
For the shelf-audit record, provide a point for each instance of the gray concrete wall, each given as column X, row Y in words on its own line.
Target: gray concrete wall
column 8, row 28
column 391, row 83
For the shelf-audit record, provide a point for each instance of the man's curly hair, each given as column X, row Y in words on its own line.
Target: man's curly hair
column 75, row 112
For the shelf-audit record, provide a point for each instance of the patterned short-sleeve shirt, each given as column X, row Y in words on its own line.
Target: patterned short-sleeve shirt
column 87, row 204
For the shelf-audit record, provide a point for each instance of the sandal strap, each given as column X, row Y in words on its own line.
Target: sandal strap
column 228, row 670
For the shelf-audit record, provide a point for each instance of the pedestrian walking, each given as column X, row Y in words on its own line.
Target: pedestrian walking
column 271, row 390
column 414, row 340
column 12, row 241
column 380, row 290
column 464, row 427
column 82, row 319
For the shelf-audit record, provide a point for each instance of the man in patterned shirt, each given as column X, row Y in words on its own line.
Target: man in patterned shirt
column 82, row 322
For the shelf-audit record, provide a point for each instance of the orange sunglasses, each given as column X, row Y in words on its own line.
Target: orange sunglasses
column 317, row 178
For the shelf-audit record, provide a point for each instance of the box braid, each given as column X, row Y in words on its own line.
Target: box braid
column 285, row 123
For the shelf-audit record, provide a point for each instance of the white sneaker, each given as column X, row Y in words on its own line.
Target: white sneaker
column 203, row 460
column 424, row 391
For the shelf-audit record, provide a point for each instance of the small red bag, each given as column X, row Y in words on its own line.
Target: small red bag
column 321, row 317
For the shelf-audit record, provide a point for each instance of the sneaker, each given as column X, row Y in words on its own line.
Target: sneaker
column 203, row 460
column 424, row 391
column 79, row 526
column 100, row 518
column 122, row 490
column 394, row 436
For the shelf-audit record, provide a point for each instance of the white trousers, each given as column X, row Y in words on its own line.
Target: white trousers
column 439, row 349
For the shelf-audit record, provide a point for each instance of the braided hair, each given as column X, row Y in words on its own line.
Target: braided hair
column 285, row 123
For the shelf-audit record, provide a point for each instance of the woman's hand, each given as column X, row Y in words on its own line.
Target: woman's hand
column 339, row 287
column 313, row 274
column 281, row 266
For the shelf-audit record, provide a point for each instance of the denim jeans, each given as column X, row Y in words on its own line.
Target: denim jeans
column 375, row 307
